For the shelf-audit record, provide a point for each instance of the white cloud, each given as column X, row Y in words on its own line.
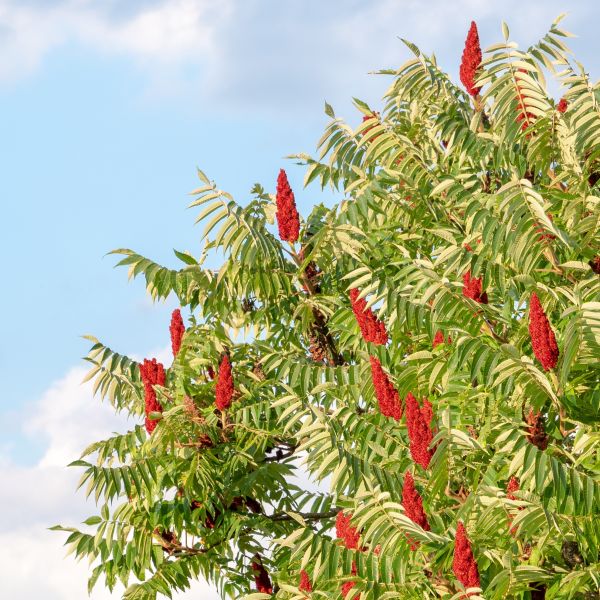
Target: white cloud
column 163, row 34
column 33, row 498
column 252, row 55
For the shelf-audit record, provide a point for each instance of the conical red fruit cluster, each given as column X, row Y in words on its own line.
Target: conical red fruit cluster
column 439, row 339
column 413, row 506
column 304, row 585
column 350, row 535
column 372, row 329
column 562, row 106
column 176, row 329
column 536, row 430
column 347, row 587
column 388, row 399
column 288, row 220
column 471, row 60
column 261, row 577
column 152, row 373
column 418, row 422
column 512, row 487
column 224, row 389
column 543, row 340
column 472, row 288
column 464, row 564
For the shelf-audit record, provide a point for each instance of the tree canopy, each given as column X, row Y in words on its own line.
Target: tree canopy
column 396, row 396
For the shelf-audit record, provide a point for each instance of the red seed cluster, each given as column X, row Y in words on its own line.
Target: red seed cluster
column 224, row 389
column 512, row 487
column 418, row 422
column 304, row 585
column 176, row 329
column 346, row 587
column 472, row 288
column 439, row 339
column 523, row 115
column 388, row 399
column 543, row 339
column 288, row 220
column 595, row 264
column 261, row 578
column 152, row 373
column 471, row 60
column 413, row 506
column 350, row 535
column 464, row 564
column 372, row 329
column 562, row 106
column 536, row 430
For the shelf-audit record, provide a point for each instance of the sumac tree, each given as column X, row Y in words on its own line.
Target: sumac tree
column 394, row 397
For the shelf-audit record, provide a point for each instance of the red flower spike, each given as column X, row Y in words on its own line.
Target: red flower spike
column 224, row 388
column 511, row 487
column 413, row 506
column 346, row 587
column 472, row 288
column 471, row 60
column 350, row 535
column 464, row 564
column 418, row 422
column 595, row 264
column 543, row 339
column 152, row 373
column 304, row 585
column 562, row 106
column 288, row 220
column 439, row 339
column 261, row 577
column 372, row 329
column 176, row 329
column 536, row 430
column 386, row 394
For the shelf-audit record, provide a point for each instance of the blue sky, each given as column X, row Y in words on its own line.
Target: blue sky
column 106, row 110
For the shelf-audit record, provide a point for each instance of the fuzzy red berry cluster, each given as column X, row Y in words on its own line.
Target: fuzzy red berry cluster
column 372, row 329
column 176, row 329
column 418, row 423
column 464, row 564
column 472, row 288
column 471, row 61
column 536, row 430
column 224, row 388
column 305, row 584
column 347, row 587
column 152, row 373
column 261, row 577
column 346, row 532
column 413, row 506
column 543, row 339
column 388, row 399
column 439, row 339
column 288, row 220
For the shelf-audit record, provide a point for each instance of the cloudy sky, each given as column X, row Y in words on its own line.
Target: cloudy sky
column 106, row 109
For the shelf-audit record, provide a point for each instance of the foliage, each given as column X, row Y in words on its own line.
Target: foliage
column 440, row 188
